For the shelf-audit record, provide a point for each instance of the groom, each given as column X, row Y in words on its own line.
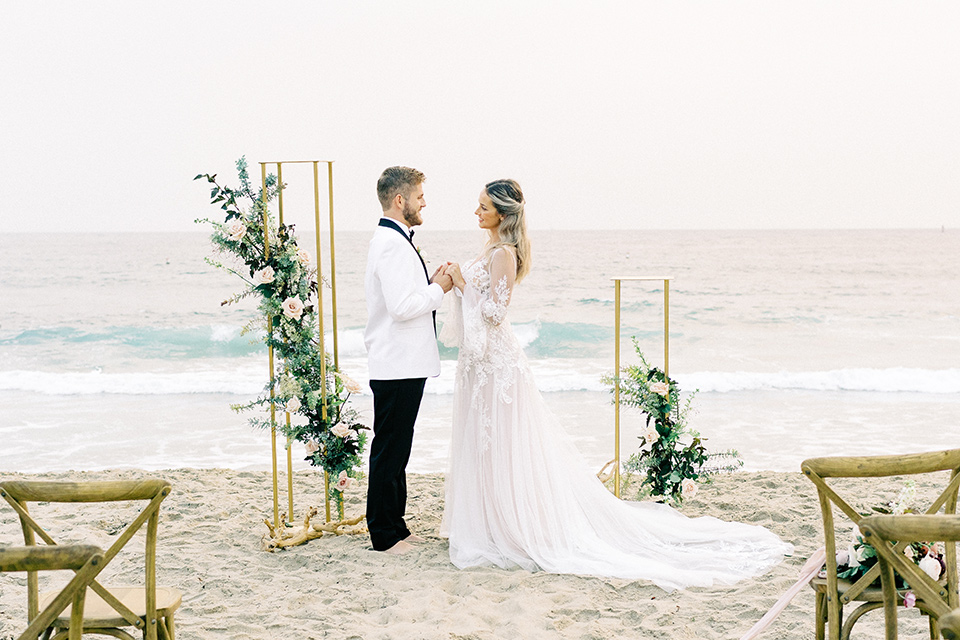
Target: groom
column 401, row 342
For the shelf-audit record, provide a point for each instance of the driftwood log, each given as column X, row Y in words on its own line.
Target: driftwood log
column 607, row 472
column 282, row 537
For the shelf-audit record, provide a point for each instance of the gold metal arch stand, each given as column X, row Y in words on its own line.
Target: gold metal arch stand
column 666, row 358
column 333, row 303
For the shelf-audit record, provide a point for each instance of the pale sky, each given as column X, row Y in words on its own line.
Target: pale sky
column 628, row 114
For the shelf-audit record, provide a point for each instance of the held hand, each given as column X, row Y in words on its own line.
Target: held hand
column 453, row 270
column 442, row 279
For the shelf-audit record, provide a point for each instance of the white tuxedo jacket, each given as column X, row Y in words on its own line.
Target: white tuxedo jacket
column 400, row 335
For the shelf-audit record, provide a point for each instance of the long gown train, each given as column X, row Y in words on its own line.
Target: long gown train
column 518, row 493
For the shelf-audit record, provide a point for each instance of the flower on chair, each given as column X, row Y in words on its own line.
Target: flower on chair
column 862, row 555
column 930, row 566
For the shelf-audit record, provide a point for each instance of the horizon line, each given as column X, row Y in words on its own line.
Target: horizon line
column 942, row 228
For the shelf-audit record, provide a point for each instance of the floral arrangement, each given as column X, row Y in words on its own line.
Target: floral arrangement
column 279, row 273
column 672, row 458
column 860, row 555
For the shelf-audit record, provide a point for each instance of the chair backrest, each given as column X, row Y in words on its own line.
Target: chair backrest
column 83, row 559
column 950, row 625
column 819, row 470
column 153, row 491
column 883, row 531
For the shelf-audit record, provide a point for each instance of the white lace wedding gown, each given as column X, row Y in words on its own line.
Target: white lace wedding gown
column 518, row 493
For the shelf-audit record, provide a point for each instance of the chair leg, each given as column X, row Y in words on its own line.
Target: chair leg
column 76, row 615
column 934, row 628
column 165, row 628
column 820, row 614
column 834, row 616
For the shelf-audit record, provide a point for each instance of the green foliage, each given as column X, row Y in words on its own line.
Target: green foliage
column 672, row 457
column 278, row 273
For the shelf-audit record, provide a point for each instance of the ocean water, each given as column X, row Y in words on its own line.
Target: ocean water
column 115, row 350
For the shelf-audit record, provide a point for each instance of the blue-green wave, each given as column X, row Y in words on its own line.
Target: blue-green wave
column 189, row 342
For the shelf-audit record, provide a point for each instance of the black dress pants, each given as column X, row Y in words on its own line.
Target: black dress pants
column 395, row 407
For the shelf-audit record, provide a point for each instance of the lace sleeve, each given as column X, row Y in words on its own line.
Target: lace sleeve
column 451, row 333
column 503, row 275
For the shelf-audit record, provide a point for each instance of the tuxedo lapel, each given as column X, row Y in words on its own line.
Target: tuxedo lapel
column 387, row 222
column 390, row 224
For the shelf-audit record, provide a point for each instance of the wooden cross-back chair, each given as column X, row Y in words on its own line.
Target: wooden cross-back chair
column 82, row 559
column 107, row 610
column 832, row 593
column 888, row 534
column 950, row 625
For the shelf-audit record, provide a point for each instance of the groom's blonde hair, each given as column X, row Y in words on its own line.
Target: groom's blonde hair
column 396, row 180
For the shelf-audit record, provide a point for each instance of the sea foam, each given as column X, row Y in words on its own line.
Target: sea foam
column 552, row 375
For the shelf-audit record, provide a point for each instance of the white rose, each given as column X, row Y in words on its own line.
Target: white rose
column 341, row 430
column 650, row 434
column 343, row 482
column 660, row 388
column 852, row 559
column 351, row 385
column 930, row 566
column 264, row 276
column 236, row 230
column 908, row 551
column 304, row 256
column 293, row 404
column 293, row 308
column 312, row 447
column 688, row 488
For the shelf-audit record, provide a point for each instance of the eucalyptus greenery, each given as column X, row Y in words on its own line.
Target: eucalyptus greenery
column 672, row 457
column 279, row 274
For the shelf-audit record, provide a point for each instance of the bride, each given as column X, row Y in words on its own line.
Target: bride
column 517, row 493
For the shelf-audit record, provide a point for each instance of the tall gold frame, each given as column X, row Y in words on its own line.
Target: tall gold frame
column 666, row 357
column 333, row 300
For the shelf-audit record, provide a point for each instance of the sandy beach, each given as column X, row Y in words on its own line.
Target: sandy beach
column 211, row 535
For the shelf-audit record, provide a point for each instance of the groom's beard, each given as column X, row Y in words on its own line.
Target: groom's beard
column 411, row 215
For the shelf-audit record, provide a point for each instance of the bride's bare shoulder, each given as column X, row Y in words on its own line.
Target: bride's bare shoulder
column 503, row 259
column 503, row 251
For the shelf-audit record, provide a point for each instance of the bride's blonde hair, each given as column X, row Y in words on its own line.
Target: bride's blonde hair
column 508, row 200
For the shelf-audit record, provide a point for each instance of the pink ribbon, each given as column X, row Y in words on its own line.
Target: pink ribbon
column 807, row 573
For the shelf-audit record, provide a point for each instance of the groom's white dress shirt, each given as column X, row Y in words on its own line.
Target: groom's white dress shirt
column 400, row 335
